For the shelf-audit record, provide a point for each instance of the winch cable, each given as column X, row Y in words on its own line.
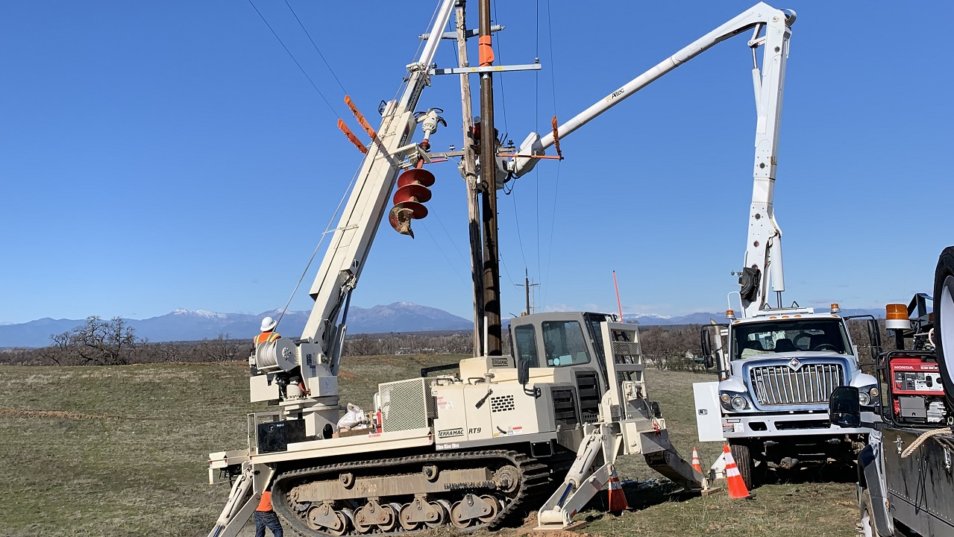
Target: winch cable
column 314, row 253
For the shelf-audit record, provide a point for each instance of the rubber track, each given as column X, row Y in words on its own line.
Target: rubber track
column 535, row 478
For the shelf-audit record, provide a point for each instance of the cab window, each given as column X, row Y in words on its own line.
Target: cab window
column 564, row 343
column 526, row 341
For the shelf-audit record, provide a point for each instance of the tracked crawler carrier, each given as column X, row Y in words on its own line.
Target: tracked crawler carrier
column 469, row 449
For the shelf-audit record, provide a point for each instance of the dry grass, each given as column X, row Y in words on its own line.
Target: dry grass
column 121, row 451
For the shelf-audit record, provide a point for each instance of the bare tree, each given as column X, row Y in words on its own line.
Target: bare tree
column 220, row 349
column 97, row 342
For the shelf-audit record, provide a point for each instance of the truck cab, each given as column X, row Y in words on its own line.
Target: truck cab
column 777, row 369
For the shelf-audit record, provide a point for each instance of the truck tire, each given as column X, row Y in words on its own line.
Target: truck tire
column 867, row 527
column 944, row 319
column 742, row 455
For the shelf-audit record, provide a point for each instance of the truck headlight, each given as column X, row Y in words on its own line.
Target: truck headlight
column 733, row 401
column 867, row 395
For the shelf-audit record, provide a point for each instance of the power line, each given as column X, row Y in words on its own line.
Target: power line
column 556, row 186
column 503, row 94
column 292, row 56
column 536, row 121
column 516, row 220
column 318, row 50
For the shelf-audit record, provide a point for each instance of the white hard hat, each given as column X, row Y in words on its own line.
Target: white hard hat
column 268, row 324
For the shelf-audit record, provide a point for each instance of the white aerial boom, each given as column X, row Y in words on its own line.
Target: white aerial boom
column 771, row 31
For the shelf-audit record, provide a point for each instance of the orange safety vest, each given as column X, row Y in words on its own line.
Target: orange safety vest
column 265, row 337
column 265, row 504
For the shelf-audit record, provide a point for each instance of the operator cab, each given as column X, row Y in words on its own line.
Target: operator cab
column 572, row 341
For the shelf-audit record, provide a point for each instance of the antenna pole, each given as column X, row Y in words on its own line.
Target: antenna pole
column 527, row 285
column 619, row 303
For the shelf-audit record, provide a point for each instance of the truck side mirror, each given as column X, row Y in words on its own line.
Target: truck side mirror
column 523, row 372
column 706, row 337
column 523, row 377
column 844, row 409
column 874, row 334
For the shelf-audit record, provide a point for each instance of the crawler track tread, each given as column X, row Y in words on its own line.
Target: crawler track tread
column 535, row 478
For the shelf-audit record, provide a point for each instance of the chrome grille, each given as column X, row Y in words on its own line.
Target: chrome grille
column 809, row 384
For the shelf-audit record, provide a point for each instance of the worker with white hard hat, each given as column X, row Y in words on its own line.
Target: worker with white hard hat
column 268, row 332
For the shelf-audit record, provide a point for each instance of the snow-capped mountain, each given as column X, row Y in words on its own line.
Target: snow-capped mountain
column 192, row 325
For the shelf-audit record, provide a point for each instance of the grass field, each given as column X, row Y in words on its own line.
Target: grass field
column 121, row 451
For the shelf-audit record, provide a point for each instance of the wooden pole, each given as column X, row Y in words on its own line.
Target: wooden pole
column 469, row 170
column 488, row 174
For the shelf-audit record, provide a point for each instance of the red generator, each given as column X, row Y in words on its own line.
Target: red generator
column 917, row 392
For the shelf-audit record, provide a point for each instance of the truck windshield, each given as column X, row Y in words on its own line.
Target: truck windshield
column 823, row 335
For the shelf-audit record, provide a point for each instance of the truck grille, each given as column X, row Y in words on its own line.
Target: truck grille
column 809, row 384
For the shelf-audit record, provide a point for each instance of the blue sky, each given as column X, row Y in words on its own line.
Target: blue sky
column 156, row 156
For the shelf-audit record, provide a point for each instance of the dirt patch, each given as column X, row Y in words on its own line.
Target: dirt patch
column 529, row 529
column 346, row 375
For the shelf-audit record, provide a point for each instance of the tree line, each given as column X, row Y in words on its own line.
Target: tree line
column 114, row 342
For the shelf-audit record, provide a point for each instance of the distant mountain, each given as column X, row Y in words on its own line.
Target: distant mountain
column 188, row 325
column 194, row 325
column 719, row 317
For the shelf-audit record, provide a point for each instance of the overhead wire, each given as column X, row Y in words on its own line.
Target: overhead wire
column 456, row 273
column 536, row 121
column 556, row 186
column 503, row 106
column 295, row 60
column 417, row 53
column 317, row 49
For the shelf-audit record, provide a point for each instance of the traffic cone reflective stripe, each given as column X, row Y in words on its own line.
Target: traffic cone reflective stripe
column 696, row 465
column 615, row 495
column 736, row 485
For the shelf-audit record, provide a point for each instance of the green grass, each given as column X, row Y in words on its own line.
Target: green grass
column 122, row 451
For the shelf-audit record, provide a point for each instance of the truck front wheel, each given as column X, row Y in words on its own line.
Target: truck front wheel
column 868, row 527
column 742, row 455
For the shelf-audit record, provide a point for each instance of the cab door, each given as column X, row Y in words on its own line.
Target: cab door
column 565, row 345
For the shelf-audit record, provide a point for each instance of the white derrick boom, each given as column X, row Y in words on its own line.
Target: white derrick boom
column 359, row 222
column 319, row 353
column 763, row 247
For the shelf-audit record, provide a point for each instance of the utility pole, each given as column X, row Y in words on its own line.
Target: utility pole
column 527, row 285
column 469, row 171
column 493, row 346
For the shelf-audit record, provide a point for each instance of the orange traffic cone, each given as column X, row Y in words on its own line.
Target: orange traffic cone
column 615, row 495
column 736, row 485
column 696, row 465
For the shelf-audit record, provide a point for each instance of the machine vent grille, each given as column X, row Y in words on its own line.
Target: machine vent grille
column 783, row 385
column 589, row 395
column 564, row 407
column 504, row 403
column 405, row 404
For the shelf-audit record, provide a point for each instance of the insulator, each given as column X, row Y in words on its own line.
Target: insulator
column 409, row 199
